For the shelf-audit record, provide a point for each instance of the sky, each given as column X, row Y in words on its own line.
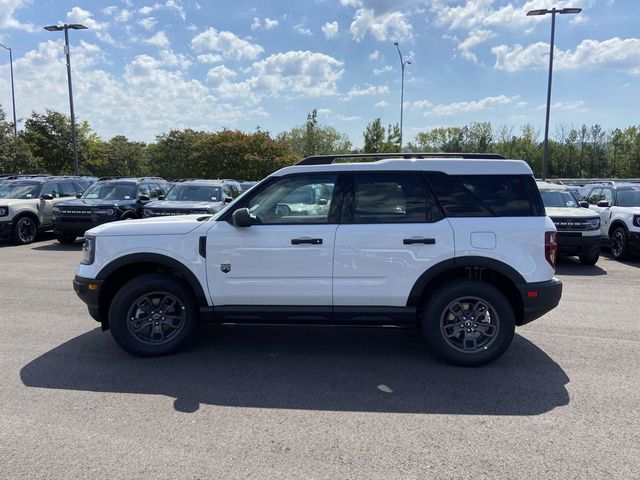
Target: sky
column 144, row 67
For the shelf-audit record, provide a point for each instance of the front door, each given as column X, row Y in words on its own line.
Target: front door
column 285, row 258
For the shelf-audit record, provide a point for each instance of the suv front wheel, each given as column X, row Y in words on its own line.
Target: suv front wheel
column 153, row 314
column 468, row 323
column 619, row 245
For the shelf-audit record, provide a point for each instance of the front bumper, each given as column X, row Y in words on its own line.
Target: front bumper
column 88, row 289
column 78, row 226
column 6, row 229
column 575, row 243
column 538, row 298
column 633, row 240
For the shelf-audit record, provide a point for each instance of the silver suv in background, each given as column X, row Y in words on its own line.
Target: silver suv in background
column 193, row 196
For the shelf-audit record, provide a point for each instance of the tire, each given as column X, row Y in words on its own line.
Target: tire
column 589, row 259
column 619, row 244
column 66, row 239
column 25, row 231
column 150, row 334
column 490, row 340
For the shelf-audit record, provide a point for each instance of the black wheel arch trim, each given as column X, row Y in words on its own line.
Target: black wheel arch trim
column 460, row 262
column 617, row 223
column 164, row 260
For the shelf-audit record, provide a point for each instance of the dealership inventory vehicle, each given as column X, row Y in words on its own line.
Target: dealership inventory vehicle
column 618, row 204
column 27, row 203
column 192, row 196
column 456, row 244
column 578, row 227
column 108, row 200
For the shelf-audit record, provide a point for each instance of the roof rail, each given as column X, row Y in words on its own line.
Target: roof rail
column 26, row 175
column 328, row 159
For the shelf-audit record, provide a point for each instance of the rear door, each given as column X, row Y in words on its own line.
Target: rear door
column 391, row 231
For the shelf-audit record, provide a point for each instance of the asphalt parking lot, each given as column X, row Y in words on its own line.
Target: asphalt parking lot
column 564, row 402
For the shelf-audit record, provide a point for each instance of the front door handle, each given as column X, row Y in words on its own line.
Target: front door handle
column 426, row 241
column 311, row 241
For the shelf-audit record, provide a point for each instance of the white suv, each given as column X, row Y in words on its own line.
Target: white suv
column 460, row 247
column 618, row 205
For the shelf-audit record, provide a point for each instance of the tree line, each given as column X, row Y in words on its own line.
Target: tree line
column 44, row 146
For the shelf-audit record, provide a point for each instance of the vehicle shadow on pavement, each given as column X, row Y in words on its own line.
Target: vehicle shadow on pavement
column 309, row 368
column 632, row 262
column 572, row 266
column 61, row 247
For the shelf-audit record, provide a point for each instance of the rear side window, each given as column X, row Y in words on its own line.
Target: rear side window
column 486, row 195
column 392, row 198
column 67, row 189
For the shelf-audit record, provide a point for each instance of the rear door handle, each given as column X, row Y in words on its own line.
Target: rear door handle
column 311, row 241
column 426, row 241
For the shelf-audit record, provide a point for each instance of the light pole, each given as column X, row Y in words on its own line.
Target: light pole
column 403, row 64
column 13, row 92
column 553, row 12
column 66, row 27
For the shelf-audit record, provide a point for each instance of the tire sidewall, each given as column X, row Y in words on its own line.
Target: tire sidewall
column 625, row 247
column 589, row 259
column 438, row 302
column 134, row 289
column 16, row 228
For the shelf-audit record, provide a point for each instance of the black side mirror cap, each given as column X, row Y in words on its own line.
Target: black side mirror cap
column 144, row 198
column 228, row 199
column 78, row 195
column 603, row 204
column 241, row 218
column 323, row 201
column 584, row 204
column 160, row 197
column 47, row 196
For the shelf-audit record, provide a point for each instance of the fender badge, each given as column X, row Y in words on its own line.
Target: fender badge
column 225, row 267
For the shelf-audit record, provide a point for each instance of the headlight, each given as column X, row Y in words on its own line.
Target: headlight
column 4, row 211
column 88, row 251
column 636, row 220
column 56, row 209
column 592, row 223
column 105, row 211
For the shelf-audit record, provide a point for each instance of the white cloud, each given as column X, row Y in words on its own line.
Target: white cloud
column 381, row 104
column 209, row 58
column 148, row 23
column 330, row 29
column 256, row 24
column 475, row 38
column 170, row 5
column 392, row 26
column 85, row 17
column 613, row 54
column 366, row 91
column 421, row 104
column 375, row 55
column 300, row 28
column 110, row 10
column 380, row 71
column 266, row 23
column 578, row 106
column 348, row 118
column 220, row 74
column 7, row 15
column 227, row 44
column 158, row 40
column 472, row 106
column 169, row 58
column 124, row 15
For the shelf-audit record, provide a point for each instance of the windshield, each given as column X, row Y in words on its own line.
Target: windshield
column 629, row 197
column 19, row 190
column 110, row 191
column 194, row 193
column 558, row 198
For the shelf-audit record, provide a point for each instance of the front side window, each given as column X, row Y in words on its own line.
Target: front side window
column 110, row 191
column 287, row 201
column 392, row 198
column 594, row 196
column 143, row 189
column 607, row 195
column 558, row 198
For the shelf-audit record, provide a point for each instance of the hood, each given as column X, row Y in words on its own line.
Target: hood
column 178, row 225
column 10, row 202
column 97, row 202
column 632, row 210
column 182, row 205
column 569, row 212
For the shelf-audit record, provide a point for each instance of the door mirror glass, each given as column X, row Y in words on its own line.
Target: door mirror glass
column 47, row 196
column 603, row 204
column 584, row 204
column 242, row 218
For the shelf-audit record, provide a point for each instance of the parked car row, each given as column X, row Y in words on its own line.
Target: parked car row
column 71, row 205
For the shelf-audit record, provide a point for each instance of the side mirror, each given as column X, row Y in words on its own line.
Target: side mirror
column 241, row 218
column 144, row 198
column 78, row 195
column 161, row 197
column 603, row 204
column 47, row 196
column 228, row 199
column 584, row 204
column 323, row 201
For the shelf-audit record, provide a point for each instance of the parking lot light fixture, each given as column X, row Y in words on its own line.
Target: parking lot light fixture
column 403, row 65
column 66, row 27
column 13, row 91
column 534, row 13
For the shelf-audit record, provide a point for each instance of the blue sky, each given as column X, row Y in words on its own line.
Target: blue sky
column 146, row 66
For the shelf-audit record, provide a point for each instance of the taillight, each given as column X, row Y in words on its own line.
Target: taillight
column 551, row 248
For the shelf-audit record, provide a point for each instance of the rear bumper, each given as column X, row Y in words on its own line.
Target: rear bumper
column 575, row 243
column 88, row 289
column 539, row 298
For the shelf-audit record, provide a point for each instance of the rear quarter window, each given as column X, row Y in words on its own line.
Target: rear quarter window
column 486, row 195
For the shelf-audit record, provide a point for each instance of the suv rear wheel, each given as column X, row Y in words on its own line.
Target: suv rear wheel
column 469, row 323
column 589, row 259
column 619, row 246
column 153, row 314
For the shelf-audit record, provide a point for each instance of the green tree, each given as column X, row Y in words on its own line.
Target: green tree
column 15, row 156
column 374, row 137
column 174, row 154
column 312, row 138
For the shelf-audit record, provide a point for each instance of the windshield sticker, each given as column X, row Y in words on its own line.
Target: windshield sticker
column 29, row 195
column 127, row 197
